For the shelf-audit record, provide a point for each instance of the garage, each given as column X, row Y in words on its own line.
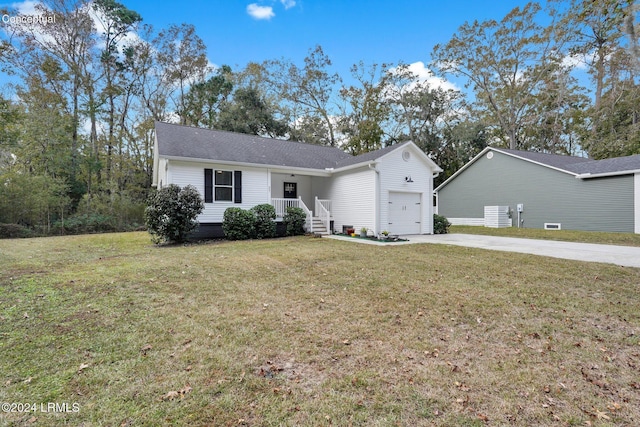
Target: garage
column 405, row 211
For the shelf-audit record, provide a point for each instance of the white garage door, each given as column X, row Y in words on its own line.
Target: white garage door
column 405, row 213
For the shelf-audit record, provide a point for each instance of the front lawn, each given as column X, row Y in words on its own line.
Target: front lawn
column 624, row 239
column 306, row 332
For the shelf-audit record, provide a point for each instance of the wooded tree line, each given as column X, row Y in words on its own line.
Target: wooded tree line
column 76, row 131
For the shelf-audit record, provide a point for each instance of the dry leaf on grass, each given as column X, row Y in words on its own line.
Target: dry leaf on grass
column 172, row 395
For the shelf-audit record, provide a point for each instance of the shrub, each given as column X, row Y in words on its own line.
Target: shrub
column 12, row 231
column 265, row 216
column 125, row 209
column 440, row 224
column 294, row 219
column 238, row 224
column 84, row 223
column 172, row 212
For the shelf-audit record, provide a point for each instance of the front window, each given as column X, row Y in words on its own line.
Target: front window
column 223, row 186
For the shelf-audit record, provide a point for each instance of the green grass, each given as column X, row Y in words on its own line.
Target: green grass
column 307, row 332
column 624, row 239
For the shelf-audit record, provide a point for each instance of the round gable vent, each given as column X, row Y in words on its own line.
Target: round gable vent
column 490, row 155
column 406, row 155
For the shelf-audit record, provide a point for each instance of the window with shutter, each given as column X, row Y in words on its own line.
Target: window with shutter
column 222, row 186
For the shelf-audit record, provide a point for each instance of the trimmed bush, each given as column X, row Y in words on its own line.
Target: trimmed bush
column 238, row 224
column 172, row 212
column 440, row 224
column 265, row 216
column 294, row 219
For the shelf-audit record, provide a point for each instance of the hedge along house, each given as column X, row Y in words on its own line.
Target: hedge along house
column 552, row 191
column 389, row 189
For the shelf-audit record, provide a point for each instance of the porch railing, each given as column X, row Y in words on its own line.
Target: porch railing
column 281, row 206
column 323, row 210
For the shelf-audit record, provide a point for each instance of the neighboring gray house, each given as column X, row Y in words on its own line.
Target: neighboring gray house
column 389, row 189
column 553, row 191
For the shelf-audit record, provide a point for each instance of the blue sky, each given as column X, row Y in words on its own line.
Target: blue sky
column 237, row 32
column 349, row 31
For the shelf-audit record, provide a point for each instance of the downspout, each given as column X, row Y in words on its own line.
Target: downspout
column 372, row 166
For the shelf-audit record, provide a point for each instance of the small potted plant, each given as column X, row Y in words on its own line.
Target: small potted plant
column 363, row 232
column 384, row 235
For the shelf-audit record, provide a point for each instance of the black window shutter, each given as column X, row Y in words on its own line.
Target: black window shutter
column 208, row 185
column 237, row 186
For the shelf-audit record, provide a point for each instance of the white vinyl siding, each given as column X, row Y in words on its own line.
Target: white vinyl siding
column 255, row 188
column 393, row 171
column 353, row 197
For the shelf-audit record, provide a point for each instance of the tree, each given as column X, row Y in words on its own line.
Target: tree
column 61, row 54
column 310, row 92
column 116, row 21
column 249, row 112
column 604, row 37
column 504, row 62
column 10, row 117
column 420, row 112
column 205, row 99
column 181, row 55
column 365, row 109
column 461, row 142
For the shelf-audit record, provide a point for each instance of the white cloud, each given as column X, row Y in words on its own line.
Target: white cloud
column 260, row 12
column 578, row 61
column 288, row 4
column 26, row 7
column 423, row 74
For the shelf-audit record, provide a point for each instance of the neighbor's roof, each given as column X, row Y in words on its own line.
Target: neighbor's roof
column 608, row 167
column 188, row 142
column 566, row 163
column 580, row 167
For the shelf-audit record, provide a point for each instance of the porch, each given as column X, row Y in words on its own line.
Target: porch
column 319, row 223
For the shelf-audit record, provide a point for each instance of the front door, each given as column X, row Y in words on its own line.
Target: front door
column 290, row 190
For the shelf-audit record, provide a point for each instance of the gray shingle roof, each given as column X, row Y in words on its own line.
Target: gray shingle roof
column 206, row 144
column 580, row 165
column 607, row 166
column 553, row 160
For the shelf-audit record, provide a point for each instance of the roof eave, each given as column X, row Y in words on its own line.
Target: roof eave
column 606, row 174
column 535, row 162
column 353, row 166
column 274, row 168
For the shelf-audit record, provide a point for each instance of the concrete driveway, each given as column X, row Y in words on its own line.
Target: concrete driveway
column 626, row 256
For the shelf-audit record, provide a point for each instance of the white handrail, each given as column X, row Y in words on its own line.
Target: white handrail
column 309, row 221
column 281, row 205
column 323, row 213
